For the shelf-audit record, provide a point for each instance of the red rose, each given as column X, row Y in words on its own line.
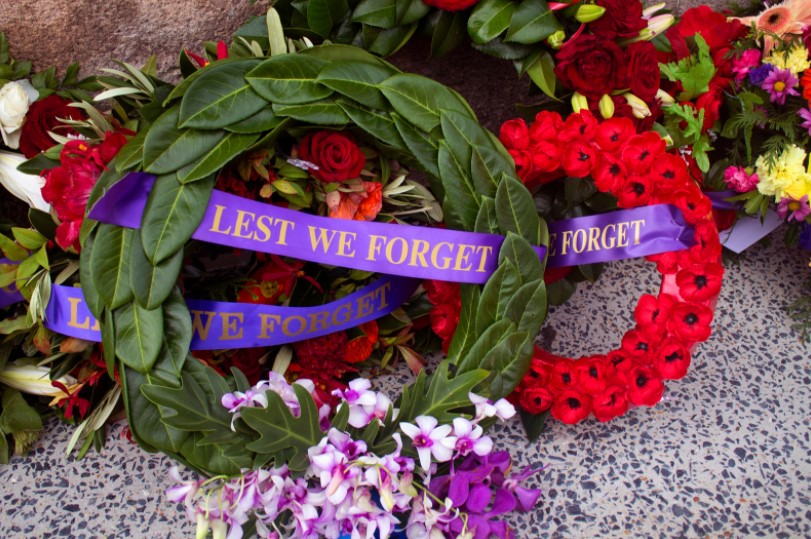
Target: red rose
column 643, row 69
column 622, row 18
column 451, row 5
column 336, row 155
column 41, row 118
column 714, row 27
column 591, row 65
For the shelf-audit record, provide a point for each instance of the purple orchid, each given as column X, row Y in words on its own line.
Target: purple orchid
column 426, row 437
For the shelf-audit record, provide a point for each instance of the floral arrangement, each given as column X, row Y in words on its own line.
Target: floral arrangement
column 635, row 170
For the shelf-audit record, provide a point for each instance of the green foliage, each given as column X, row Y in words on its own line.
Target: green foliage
column 691, row 134
column 694, row 72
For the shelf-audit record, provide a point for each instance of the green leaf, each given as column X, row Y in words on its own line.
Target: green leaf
column 146, row 419
column 449, row 31
column 515, row 210
column 542, row 72
column 262, row 121
column 280, row 431
column 151, row 285
column 177, row 335
column 377, row 13
column 500, row 288
column 486, row 219
column 411, row 11
column 486, row 341
column 507, row 363
column 289, row 79
column 89, row 289
column 387, row 42
column 472, row 143
column 358, row 81
column 221, row 97
column 422, row 147
column 465, row 334
column 533, row 424
column 532, row 22
column 694, row 72
column 172, row 214
column 108, row 340
column 419, row 99
column 461, row 203
column 528, row 307
column 377, row 123
column 490, row 19
column 37, row 164
column 132, row 153
column 320, row 113
column 18, row 415
column 518, row 251
column 168, row 148
column 110, row 265
column 322, row 15
column 230, row 146
column 138, row 336
column 11, row 250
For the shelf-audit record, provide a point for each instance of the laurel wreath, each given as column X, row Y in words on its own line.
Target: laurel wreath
column 196, row 128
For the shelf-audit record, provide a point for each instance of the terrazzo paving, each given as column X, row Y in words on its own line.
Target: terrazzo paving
column 726, row 454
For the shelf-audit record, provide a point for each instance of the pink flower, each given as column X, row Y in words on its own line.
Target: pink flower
column 780, row 84
column 746, row 61
column 740, row 180
column 800, row 209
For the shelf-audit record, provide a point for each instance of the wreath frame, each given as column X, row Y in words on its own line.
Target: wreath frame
column 231, row 106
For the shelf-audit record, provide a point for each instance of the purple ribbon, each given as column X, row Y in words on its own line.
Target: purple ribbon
column 10, row 295
column 618, row 235
column 805, row 237
column 719, row 199
column 219, row 325
column 409, row 251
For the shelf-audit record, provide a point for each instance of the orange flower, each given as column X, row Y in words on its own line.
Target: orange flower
column 361, row 204
column 360, row 348
column 805, row 82
column 788, row 17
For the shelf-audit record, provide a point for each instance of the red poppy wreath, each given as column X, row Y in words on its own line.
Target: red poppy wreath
column 637, row 170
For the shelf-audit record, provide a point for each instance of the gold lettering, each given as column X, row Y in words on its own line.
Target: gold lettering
column 318, row 321
column 390, row 251
column 269, row 322
column 286, row 325
column 338, row 318
column 603, row 240
column 74, row 315
column 215, row 226
column 446, row 261
column 96, row 326
column 263, row 224
column 486, row 251
column 345, row 243
column 594, row 236
column 382, row 293
column 364, row 305
column 374, row 248
column 579, row 243
column 200, row 327
column 243, row 223
column 229, row 326
column 420, row 247
column 637, row 224
column 322, row 239
column 622, row 235
column 462, row 258
column 283, row 232
column 553, row 238
column 567, row 241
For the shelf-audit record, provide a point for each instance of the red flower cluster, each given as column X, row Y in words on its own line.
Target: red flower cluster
column 637, row 171
column 447, row 301
column 272, row 282
column 43, row 117
column 67, row 187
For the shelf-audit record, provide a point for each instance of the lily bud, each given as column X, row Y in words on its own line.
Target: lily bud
column 640, row 108
column 606, row 106
column 648, row 12
column 33, row 380
column 579, row 102
column 660, row 23
column 589, row 13
column 555, row 41
column 664, row 97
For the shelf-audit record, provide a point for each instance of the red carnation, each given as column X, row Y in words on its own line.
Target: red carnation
column 579, row 159
column 451, row 5
column 591, row 65
column 613, row 133
column 643, row 68
column 571, row 407
column 622, row 18
column 361, row 347
column 714, row 27
column 609, row 404
column 42, row 117
column 672, row 359
column 700, row 282
column 535, row 400
column 591, row 375
column 641, row 151
column 514, row 134
column 691, row 322
column 636, row 192
column 645, row 387
column 328, row 348
column 336, row 155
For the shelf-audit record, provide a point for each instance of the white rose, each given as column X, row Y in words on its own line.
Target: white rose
column 15, row 98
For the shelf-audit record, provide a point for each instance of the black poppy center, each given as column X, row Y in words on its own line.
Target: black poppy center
column 614, row 169
column 644, row 155
column 639, row 189
column 573, row 403
column 690, row 319
column 675, row 356
column 700, row 281
column 669, row 174
column 641, row 380
column 593, row 372
column 583, row 156
column 642, row 346
column 567, row 378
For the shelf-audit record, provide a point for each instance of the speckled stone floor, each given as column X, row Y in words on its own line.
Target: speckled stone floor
column 726, row 454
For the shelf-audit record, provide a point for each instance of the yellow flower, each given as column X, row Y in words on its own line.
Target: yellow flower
column 795, row 60
column 788, row 170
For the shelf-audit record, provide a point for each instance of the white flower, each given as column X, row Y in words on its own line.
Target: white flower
column 26, row 187
column 427, row 440
column 15, row 98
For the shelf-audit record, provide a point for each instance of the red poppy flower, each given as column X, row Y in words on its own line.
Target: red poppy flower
column 645, row 387
column 535, row 400
column 693, row 204
column 700, row 282
column 563, row 375
column 546, row 126
column 610, row 403
column 672, row 359
column 579, row 159
column 666, row 263
column 652, row 313
column 537, row 374
column 691, row 322
column 610, row 173
column 635, row 192
column 637, row 344
column 571, row 407
column 641, row 151
column 523, row 163
column 514, row 134
column 613, row 133
column 591, row 375
column 582, row 127
column 707, row 246
column 545, row 156
column 617, row 366
column 668, row 172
